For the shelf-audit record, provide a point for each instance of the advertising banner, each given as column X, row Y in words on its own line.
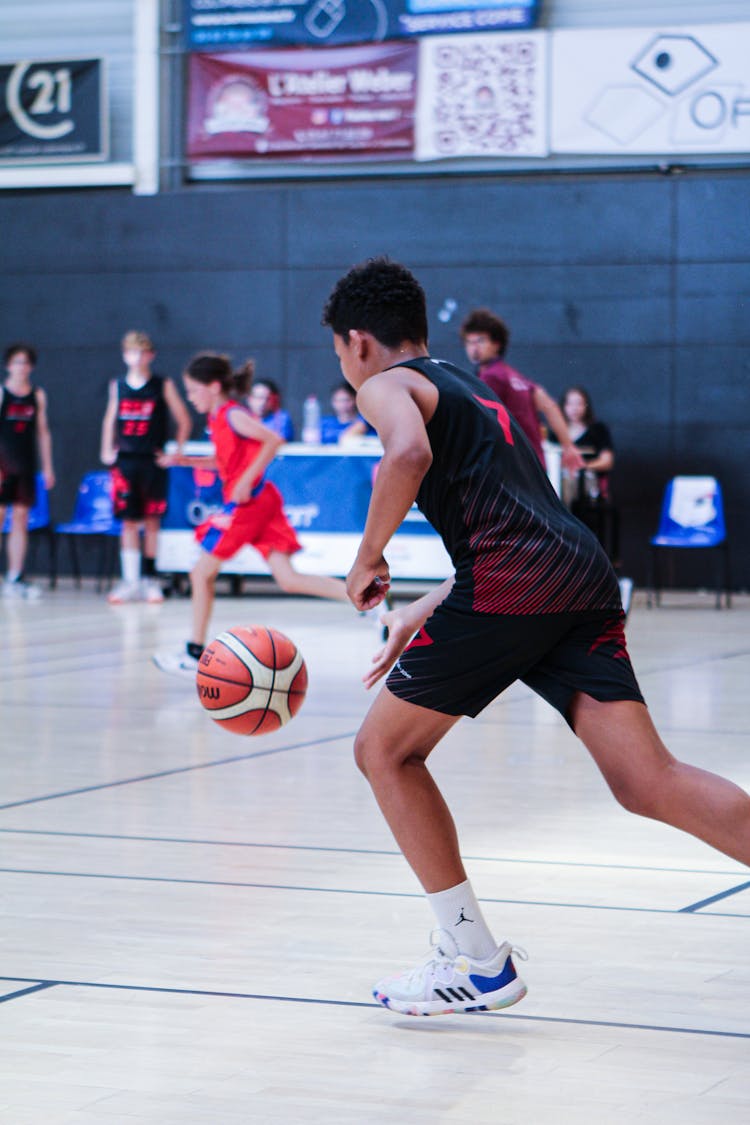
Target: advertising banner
column 326, row 495
column 649, row 91
column 53, row 112
column 226, row 24
column 298, row 103
column 482, row 95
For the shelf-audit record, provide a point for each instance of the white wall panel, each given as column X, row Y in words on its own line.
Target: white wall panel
column 54, row 29
column 641, row 13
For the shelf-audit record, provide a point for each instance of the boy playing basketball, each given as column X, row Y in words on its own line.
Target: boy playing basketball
column 533, row 598
column 134, row 431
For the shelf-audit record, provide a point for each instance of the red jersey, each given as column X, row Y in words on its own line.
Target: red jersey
column 233, row 451
column 516, row 393
column 259, row 523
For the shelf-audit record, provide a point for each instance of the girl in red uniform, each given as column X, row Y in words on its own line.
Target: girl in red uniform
column 253, row 513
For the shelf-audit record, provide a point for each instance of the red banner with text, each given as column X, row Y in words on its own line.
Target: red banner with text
column 295, row 103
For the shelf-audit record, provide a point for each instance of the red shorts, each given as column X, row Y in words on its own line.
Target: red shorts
column 260, row 523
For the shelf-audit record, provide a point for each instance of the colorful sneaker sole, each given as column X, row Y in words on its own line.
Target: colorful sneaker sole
column 488, row 1002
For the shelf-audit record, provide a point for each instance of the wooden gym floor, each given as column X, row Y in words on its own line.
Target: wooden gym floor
column 192, row 921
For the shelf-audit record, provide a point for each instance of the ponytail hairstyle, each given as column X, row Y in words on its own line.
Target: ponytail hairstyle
column 210, row 367
column 242, row 379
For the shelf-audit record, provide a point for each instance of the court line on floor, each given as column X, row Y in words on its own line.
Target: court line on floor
column 695, row 906
column 176, row 770
column 240, row 884
column 388, row 852
column 363, row 1004
column 40, row 987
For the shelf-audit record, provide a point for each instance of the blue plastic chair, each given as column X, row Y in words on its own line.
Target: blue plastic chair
column 692, row 518
column 93, row 519
column 40, row 525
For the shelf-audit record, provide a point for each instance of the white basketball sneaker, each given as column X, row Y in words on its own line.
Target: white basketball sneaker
column 124, row 592
column 151, row 591
column 176, row 663
column 452, row 982
column 18, row 588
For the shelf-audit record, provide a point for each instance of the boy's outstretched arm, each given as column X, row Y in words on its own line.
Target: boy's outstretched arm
column 389, row 406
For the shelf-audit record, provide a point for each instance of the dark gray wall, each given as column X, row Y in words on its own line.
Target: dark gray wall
column 635, row 286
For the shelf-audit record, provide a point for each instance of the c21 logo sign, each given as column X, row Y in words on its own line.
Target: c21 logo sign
column 53, row 110
column 51, row 95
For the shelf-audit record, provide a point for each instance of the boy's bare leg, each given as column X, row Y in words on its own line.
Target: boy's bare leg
column 18, row 539
column 646, row 779
column 151, row 526
column 203, row 585
column 391, row 750
column 130, row 536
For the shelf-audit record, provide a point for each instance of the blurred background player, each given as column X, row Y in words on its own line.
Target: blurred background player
column 345, row 422
column 264, row 401
column 486, row 338
column 253, row 514
column 25, row 440
column 134, row 430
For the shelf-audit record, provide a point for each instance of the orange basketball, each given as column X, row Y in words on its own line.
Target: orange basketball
column 251, row 679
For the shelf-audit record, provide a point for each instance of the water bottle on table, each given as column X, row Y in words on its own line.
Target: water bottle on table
column 311, row 421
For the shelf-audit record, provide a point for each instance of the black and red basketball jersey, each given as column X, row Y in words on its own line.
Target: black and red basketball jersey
column 18, row 445
column 515, row 547
column 141, row 417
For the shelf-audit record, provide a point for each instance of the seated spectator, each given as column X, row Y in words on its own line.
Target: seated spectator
column 588, row 493
column 345, row 422
column 264, row 402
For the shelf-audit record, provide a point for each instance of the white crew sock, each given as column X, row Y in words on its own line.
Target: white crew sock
column 130, row 564
column 457, row 911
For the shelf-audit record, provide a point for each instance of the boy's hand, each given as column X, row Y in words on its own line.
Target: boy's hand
column 571, row 459
column 400, row 631
column 108, row 457
column 166, row 460
column 241, row 492
column 366, row 586
column 49, row 480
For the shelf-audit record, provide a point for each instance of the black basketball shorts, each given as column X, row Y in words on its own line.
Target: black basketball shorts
column 139, row 487
column 18, row 488
column 459, row 662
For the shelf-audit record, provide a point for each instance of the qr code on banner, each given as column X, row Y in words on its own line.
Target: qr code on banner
column 481, row 95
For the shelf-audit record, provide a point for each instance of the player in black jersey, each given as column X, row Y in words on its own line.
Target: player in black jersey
column 134, row 431
column 533, row 598
column 25, row 439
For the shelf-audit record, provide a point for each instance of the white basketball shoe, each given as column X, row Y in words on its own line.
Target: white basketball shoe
column 452, row 982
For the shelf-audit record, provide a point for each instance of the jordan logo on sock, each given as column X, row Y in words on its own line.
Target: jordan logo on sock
column 462, row 918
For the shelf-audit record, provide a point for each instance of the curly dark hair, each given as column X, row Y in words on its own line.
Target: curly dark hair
column 483, row 320
column 380, row 297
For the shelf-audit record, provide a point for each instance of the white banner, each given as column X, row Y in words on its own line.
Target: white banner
column 650, row 91
column 482, row 95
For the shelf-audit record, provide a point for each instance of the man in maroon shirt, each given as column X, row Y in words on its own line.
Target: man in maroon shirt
column 485, row 338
